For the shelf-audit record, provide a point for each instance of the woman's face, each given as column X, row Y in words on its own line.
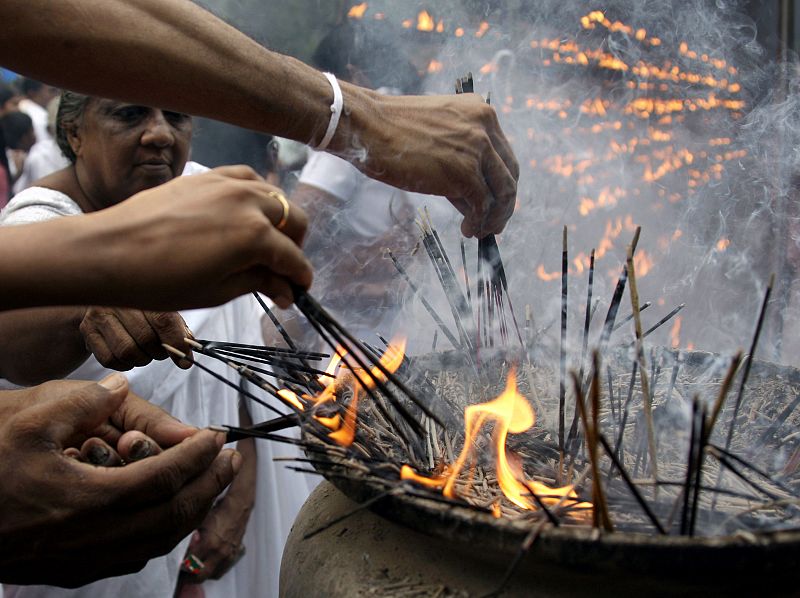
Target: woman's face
column 122, row 149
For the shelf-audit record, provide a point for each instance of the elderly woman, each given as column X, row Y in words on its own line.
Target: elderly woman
column 116, row 150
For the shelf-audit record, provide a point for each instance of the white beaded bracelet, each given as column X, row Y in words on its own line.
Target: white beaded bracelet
column 336, row 112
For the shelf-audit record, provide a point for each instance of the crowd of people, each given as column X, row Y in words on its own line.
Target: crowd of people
column 113, row 229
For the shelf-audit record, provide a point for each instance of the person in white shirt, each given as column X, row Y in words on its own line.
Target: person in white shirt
column 116, row 150
column 36, row 96
column 45, row 157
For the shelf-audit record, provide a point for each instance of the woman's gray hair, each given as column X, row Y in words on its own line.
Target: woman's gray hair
column 71, row 107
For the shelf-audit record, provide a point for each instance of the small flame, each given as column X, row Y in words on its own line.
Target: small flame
column 435, row 66
column 291, row 398
column 345, row 435
column 357, row 11
column 496, row 511
column 482, row 29
column 425, row 21
column 675, row 333
column 723, row 244
column 436, row 483
column 459, row 32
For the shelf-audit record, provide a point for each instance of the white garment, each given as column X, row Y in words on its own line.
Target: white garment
column 195, row 397
column 44, row 158
column 38, row 116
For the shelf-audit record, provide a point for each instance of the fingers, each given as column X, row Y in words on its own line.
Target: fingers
column 135, row 446
column 109, row 340
column 503, row 187
column 97, row 452
column 82, row 408
column 137, row 414
column 125, row 338
column 158, row 478
column 157, row 529
column 170, row 328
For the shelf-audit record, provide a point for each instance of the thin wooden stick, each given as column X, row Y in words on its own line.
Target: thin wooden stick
column 438, row 320
column 750, row 356
column 562, row 384
column 631, row 485
column 646, row 398
column 600, row 511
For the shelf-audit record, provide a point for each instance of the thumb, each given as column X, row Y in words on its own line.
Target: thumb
column 79, row 409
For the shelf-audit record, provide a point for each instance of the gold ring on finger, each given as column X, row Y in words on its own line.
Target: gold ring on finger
column 285, row 204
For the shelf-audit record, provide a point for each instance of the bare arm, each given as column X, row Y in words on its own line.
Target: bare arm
column 46, row 345
column 194, row 242
column 450, row 146
column 51, row 343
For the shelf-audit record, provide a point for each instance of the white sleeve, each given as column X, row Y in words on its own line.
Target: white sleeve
column 332, row 175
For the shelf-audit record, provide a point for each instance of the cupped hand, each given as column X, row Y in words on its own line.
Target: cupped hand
column 60, row 514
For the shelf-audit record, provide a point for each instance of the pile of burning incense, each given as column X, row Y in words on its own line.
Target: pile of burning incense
column 663, row 442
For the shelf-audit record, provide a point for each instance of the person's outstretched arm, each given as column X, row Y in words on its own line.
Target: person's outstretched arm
column 196, row 241
column 173, row 54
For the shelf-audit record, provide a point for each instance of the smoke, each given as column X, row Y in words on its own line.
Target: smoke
column 671, row 116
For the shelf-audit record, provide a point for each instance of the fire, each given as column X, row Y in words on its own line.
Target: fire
column 723, row 244
column 511, row 413
column 675, row 333
column 344, row 432
column 291, row 398
column 435, row 66
column 643, row 263
column 425, row 21
column 437, row 483
column 345, row 435
column 357, row 11
column 482, row 29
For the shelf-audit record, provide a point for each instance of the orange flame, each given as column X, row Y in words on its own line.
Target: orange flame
column 437, row 483
column 435, row 66
column 511, row 413
column 723, row 244
column 343, row 433
column 357, row 11
column 675, row 333
column 482, row 29
column 425, row 21
column 291, row 398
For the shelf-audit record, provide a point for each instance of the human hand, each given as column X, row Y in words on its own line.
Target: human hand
column 217, row 544
column 204, row 239
column 441, row 145
column 60, row 514
column 124, row 338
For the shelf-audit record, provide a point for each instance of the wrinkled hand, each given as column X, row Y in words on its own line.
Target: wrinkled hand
column 442, row 145
column 122, row 338
column 67, row 523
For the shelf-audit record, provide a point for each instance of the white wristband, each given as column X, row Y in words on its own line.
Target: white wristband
column 336, row 112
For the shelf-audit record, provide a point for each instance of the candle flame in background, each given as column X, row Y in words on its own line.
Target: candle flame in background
column 675, row 333
column 638, row 114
